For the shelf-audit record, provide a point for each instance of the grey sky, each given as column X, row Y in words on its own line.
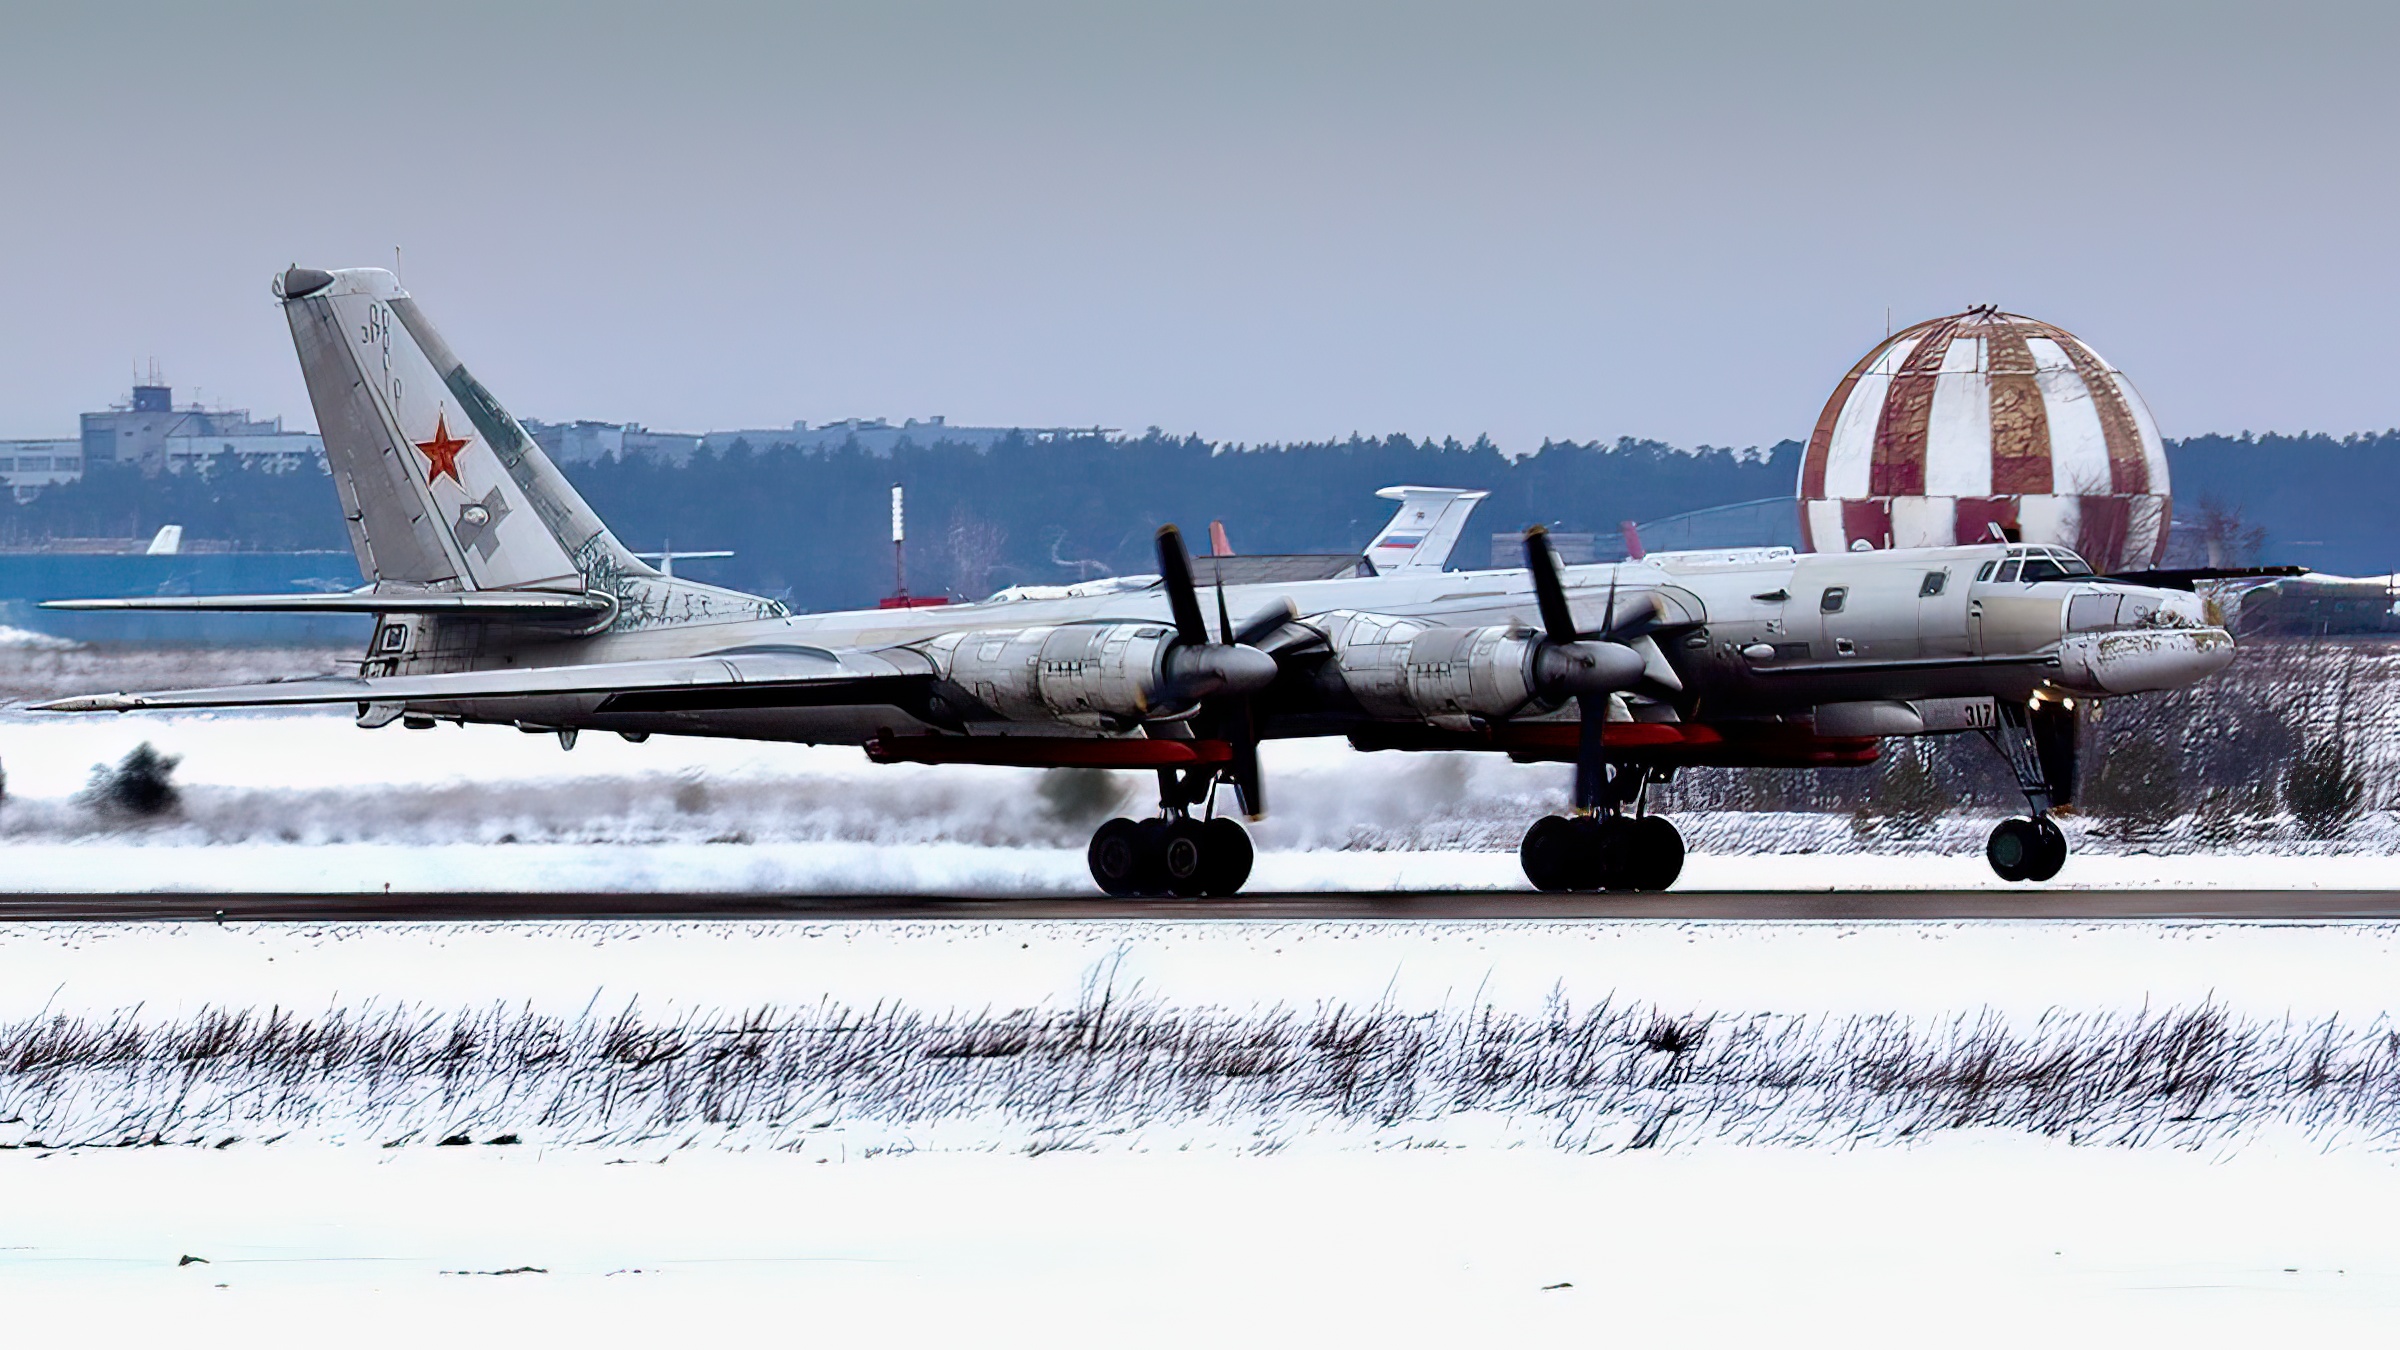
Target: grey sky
column 1252, row 222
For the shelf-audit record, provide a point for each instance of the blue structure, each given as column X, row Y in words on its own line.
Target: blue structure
column 27, row 579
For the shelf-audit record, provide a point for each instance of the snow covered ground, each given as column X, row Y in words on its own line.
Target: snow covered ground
column 1303, row 1228
column 1976, row 1242
column 306, row 801
column 1687, row 1187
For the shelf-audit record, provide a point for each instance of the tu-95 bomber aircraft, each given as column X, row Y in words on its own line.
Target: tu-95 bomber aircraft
column 501, row 598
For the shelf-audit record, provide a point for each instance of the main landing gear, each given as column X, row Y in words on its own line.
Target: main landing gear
column 1607, row 850
column 1174, row 853
column 2038, row 741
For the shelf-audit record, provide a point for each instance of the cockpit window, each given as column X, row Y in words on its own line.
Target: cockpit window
column 1984, row 573
column 2008, row 571
column 2040, row 569
column 2072, row 565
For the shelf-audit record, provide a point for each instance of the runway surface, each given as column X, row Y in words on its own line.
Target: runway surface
column 1484, row 906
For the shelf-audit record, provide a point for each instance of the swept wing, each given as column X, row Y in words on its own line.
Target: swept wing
column 732, row 679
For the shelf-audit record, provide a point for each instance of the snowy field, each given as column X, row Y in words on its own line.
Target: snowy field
column 1179, row 1133
column 308, row 802
column 2119, row 1133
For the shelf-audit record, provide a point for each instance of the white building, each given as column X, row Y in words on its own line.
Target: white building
column 26, row 467
column 257, row 450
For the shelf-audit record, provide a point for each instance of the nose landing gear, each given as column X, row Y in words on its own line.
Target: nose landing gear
column 2023, row 849
column 1173, row 853
column 2038, row 741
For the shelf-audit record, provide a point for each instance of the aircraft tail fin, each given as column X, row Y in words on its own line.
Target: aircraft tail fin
column 1425, row 528
column 441, row 488
column 440, row 485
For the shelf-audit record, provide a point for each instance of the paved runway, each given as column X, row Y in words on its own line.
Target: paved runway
column 1400, row 906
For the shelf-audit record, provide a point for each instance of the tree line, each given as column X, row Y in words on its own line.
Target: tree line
column 810, row 525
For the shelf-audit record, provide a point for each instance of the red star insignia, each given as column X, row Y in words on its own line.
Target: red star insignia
column 442, row 451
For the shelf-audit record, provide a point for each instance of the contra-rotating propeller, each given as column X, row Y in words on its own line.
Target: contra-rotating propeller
column 1224, row 672
column 1615, row 658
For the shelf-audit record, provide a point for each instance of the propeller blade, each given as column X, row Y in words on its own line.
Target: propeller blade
column 1657, row 671
column 1265, row 621
column 1647, row 615
column 1183, row 598
column 1224, row 620
column 1591, row 755
column 1248, row 785
column 1549, row 590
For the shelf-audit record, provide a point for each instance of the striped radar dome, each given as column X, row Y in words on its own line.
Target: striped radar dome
column 1986, row 419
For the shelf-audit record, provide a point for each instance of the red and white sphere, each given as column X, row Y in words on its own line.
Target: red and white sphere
column 1985, row 419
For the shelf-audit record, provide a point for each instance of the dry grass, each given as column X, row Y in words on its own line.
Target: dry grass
column 1135, row 1073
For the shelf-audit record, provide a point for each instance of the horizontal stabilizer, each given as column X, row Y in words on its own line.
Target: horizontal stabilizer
column 495, row 605
column 699, row 681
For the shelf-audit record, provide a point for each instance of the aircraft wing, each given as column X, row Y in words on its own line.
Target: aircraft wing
column 781, row 676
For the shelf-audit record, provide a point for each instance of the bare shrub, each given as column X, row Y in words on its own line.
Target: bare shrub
column 2139, row 787
column 138, row 787
column 1908, row 796
column 2324, row 789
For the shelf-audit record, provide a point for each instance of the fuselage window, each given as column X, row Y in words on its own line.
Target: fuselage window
column 1984, row 573
column 2008, row 571
column 1832, row 601
column 1933, row 584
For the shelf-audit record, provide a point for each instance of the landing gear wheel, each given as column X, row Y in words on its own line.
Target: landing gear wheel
column 1226, row 856
column 2051, row 854
column 1656, row 848
column 2016, row 849
column 1608, row 862
column 1116, row 857
column 1549, row 854
column 1183, row 858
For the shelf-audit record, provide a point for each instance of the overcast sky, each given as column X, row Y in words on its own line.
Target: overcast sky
column 1251, row 222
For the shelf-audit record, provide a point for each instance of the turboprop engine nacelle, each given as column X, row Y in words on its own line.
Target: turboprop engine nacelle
column 1403, row 668
column 1092, row 674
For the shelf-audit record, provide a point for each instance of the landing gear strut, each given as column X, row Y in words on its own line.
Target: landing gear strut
column 1608, row 849
column 1173, row 853
column 2038, row 741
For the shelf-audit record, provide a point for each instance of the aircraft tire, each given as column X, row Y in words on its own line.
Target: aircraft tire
column 1548, row 854
column 1609, row 858
column 2051, row 854
column 1226, row 856
column 1181, row 865
column 1116, row 857
column 1657, row 850
column 2014, row 848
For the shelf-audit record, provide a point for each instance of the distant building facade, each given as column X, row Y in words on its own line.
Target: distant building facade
column 26, row 467
column 278, row 450
column 150, row 432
